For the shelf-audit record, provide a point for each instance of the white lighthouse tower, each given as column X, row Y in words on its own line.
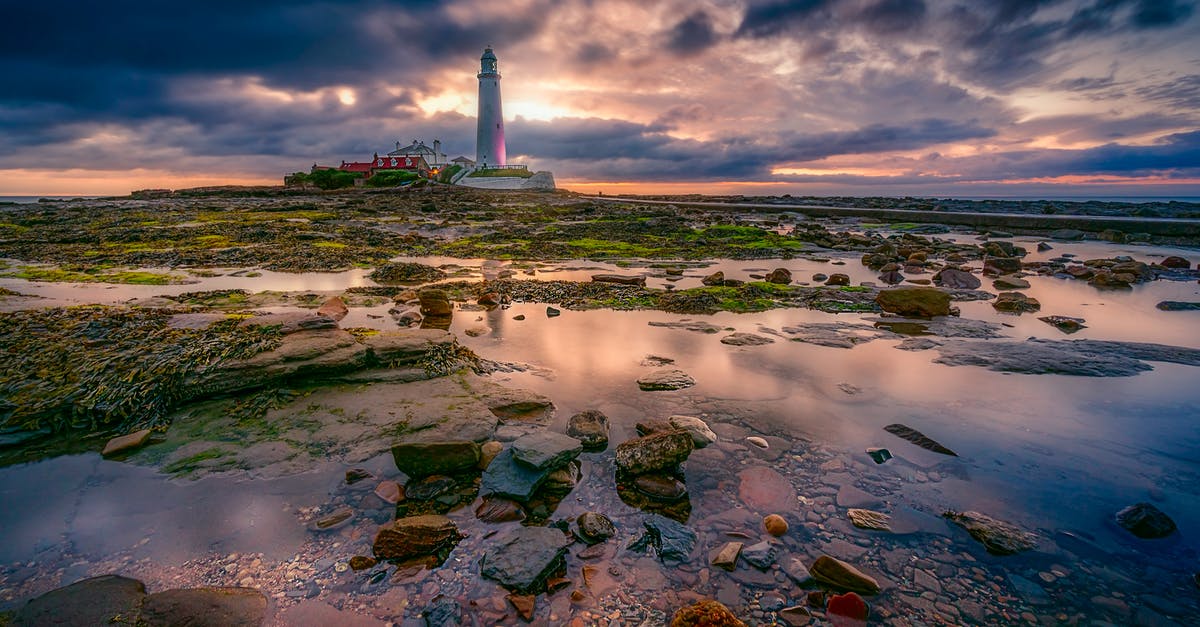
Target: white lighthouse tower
column 489, row 138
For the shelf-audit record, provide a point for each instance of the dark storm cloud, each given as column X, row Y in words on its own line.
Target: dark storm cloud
column 1161, row 13
column 766, row 19
column 893, row 16
column 693, row 34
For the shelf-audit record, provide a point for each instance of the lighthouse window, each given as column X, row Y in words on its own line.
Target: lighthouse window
column 497, row 126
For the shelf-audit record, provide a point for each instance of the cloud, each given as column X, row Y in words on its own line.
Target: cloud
column 693, row 34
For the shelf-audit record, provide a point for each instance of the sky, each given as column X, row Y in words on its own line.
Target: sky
column 802, row 97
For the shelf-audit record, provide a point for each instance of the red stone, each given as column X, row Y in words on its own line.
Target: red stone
column 847, row 610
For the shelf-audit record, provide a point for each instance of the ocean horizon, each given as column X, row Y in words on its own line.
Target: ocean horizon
column 28, row 200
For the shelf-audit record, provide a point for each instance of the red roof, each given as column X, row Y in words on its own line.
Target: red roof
column 355, row 166
column 398, row 163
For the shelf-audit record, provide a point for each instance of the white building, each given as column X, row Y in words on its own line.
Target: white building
column 433, row 156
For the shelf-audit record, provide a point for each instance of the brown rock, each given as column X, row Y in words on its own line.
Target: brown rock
column 206, row 607
column 997, row 536
column 525, row 604
column 661, row 487
column 867, row 519
column 125, row 442
column 361, row 562
column 1015, row 302
column 779, row 276
column 1176, row 263
column 390, row 492
column 435, row 302
column 333, row 308
column 415, row 536
column 763, row 489
column 838, row 278
column 92, row 601
column 487, row 452
column 336, row 520
column 843, row 576
column 775, row 525
column 421, row 459
column 716, row 278
column 726, row 557
column 922, row 302
column 660, row 451
column 706, row 613
column 494, row 509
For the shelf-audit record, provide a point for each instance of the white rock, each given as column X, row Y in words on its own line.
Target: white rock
column 702, row 436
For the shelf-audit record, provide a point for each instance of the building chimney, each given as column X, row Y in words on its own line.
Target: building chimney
column 437, row 151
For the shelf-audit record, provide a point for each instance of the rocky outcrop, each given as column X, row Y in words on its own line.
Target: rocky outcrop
column 914, row 301
column 206, row 607
column 706, row 613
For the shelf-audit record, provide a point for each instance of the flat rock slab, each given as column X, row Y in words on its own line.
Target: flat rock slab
column 620, row 279
column 94, row 601
column 746, row 339
column 415, row 536
column 205, row 607
column 523, row 558
column 843, row 576
column 672, row 541
column 665, row 379
column 508, row 478
column 1085, row 358
column 765, row 490
column 291, row 322
column 997, row 536
column 125, row 442
column 546, row 449
column 312, row 613
column 421, row 459
column 689, row 325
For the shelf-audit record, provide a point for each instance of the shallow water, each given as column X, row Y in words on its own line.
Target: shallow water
column 1050, row 453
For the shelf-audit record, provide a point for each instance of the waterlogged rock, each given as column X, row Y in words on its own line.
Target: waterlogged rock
column 848, row 609
column 1015, row 302
column 546, row 449
column 127, row 442
column 590, row 427
column 508, row 478
column 94, row 601
column 524, row 604
column 595, row 527
column 998, row 537
column 429, row 488
column 764, row 489
column 415, row 536
column 206, row 607
column 1175, row 263
column 494, row 509
column 1088, row 358
column 665, row 379
column 914, row 301
column 1178, row 305
column 879, row 455
column 620, row 279
column 920, row 439
column 843, row 576
column 333, row 308
column 290, row 322
column 760, row 555
column 660, row 487
column 746, row 339
column 523, row 558
column 435, row 303
column 660, row 451
column 671, row 541
column 1145, row 521
column 1009, row 282
column 868, row 519
column 714, row 279
column 775, row 525
column 726, row 557
column 1066, row 324
column 421, row 459
column 779, row 276
column 702, row 436
column 957, row 279
column 706, row 613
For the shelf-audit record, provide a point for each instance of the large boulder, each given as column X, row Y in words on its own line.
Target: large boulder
column 205, row 607
column 1146, row 521
column 415, row 536
column 422, row 459
column 590, row 427
column 922, row 302
column 665, row 379
column 507, row 478
column 1015, row 302
column 435, row 302
column 523, row 558
column 779, row 276
column 95, row 601
column 659, row 451
column 546, row 449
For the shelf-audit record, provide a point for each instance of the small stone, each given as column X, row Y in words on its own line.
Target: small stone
column 590, row 427
column 839, row 574
column 665, row 379
column 775, row 525
column 429, row 488
column 336, row 520
column 126, row 442
column 661, row 487
column 1146, row 521
column 361, row 562
column 795, row 616
column 879, row 455
column 390, row 492
column 333, row 308
column 595, row 527
column 519, row 317
column 848, row 605
column 867, row 519
column 354, row 475
column 701, row 434
column 487, row 452
column 998, row 537
column 706, row 613
column 493, row 509
column 552, row 312
column 757, row 441
column 726, row 557
column 760, row 555
column 524, row 604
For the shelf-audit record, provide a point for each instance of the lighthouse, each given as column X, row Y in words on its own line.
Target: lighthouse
column 489, row 138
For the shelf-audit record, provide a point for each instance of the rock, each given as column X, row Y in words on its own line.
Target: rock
column 1108, row 280
column 661, row 451
column 746, row 339
column 891, row 278
column 653, row 425
column 706, row 613
column 795, row 570
column 435, row 302
column 546, row 449
column 779, row 276
column 795, row 616
column 998, row 537
column 519, row 317
column 1087, row 358
column 1067, row 234
column 843, row 576
column 421, row 459
column 595, row 527
column 714, row 279
column 867, row 519
column 760, row 555
column 759, row 442
column 879, row 455
column 1015, row 302
column 206, row 607
column 764, row 489
column 525, row 604
column 1065, row 324
column 702, row 436
column 493, row 509
column 507, row 478
column 922, row 302
column 920, row 439
column 488, row 299
column 1009, row 282
column 523, row 558
column 1043, row 247
column 563, row 478
column 477, row 331
column 95, row 601
column 775, row 525
column 837, row 279
column 487, row 452
column 620, row 279
column 443, row 612
column 1178, row 305
column 1175, row 263
column 390, row 492
column 996, row 266
column 671, row 540
column 336, row 520
column 290, row 322
column 726, row 557
column 333, row 308
column 660, row 487
column 552, row 312
column 850, row 607
column 590, row 427
column 1029, row 591
column 361, row 562
column 354, row 475
column 429, row 488
column 1145, row 521
column 665, row 379
column 126, row 442
column 415, row 536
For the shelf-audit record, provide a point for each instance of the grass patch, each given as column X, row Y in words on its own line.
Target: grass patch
column 329, row 245
column 94, row 275
column 501, row 173
column 188, row 464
